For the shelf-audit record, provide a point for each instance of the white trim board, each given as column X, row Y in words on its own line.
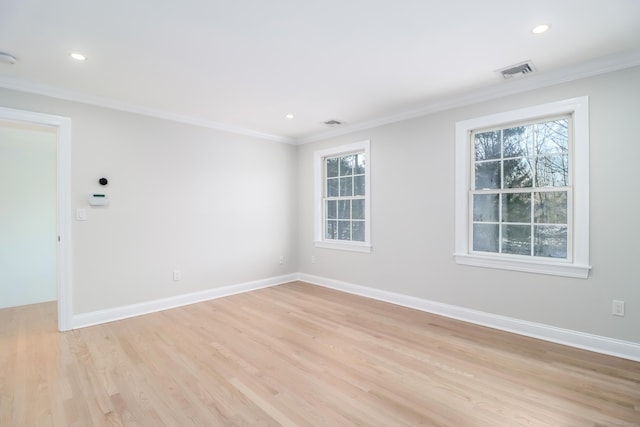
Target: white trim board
column 147, row 307
column 596, row 343
column 599, row 344
column 501, row 88
column 114, row 104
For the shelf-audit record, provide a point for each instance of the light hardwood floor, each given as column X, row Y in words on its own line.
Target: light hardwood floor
column 297, row 355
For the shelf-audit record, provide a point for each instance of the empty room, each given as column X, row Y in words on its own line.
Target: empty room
column 336, row 213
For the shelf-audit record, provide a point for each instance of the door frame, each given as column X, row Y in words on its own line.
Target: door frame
column 64, row 272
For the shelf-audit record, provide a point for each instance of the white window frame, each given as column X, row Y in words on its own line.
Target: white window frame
column 577, row 265
column 319, row 181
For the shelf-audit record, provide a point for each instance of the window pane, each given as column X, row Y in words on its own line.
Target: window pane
column 346, row 186
column 332, row 187
column 485, row 237
column 357, row 209
column 485, row 207
column 358, row 185
column 516, row 239
column 487, row 145
column 516, row 207
column 358, row 231
column 344, row 230
column 344, row 209
column 552, row 137
column 518, row 141
column 332, row 167
column 551, row 241
column 518, row 173
column 331, row 209
column 360, row 164
column 346, row 165
column 551, row 207
column 487, row 175
column 331, row 230
column 552, row 171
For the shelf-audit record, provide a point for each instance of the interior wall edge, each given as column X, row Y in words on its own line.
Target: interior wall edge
column 596, row 343
column 599, row 344
column 119, row 313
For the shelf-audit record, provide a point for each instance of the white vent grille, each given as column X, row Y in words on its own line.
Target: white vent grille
column 518, row 70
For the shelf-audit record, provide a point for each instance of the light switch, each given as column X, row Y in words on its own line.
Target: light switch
column 81, row 214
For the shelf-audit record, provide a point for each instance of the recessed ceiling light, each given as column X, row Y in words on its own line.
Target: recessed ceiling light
column 78, row 56
column 539, row 29
column 289, row 116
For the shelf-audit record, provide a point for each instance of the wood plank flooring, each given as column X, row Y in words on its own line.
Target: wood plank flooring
column 300, row 355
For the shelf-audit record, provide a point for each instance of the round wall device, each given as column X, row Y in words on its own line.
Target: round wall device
column 103, row 181
column 7, row 58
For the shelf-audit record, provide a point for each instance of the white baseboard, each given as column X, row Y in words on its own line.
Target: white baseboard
column 596, row 343
column 118, row 313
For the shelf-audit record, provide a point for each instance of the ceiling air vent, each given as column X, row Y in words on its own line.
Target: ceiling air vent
column 332, row 123
column 518, row 70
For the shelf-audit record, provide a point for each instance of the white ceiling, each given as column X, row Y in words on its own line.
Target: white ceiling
column 242, row 65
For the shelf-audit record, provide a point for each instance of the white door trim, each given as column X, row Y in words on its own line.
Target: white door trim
column 63, row 126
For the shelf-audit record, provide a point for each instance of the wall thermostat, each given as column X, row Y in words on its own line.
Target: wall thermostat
column 98, row 200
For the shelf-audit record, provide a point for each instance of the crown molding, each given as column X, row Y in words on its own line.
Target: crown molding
column 591, row 68
column 67, row 95
column 594, row 67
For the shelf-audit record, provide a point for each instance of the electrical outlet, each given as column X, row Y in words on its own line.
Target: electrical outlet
column 313, row 259
column 177, row 275
column 281, row 259
column 617, row 308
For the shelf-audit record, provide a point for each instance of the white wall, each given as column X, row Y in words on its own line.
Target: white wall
column 412, row 183
column 214, row 205
column 222, row 208
column 27, row 214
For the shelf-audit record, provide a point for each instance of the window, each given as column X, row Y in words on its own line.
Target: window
column 522, row 190
column 342, row 219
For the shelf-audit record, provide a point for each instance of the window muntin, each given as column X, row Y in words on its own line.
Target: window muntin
column 344, row 197
column 520, row 189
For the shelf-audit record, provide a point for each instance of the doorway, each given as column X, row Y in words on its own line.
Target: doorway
column 28, row 190
column 36, row 247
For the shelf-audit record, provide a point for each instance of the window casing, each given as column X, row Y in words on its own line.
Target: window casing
column 342, row 198
column 522, row 187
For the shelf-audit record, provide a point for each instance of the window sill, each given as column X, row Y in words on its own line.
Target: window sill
column 344, row 246
column 533, row 266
